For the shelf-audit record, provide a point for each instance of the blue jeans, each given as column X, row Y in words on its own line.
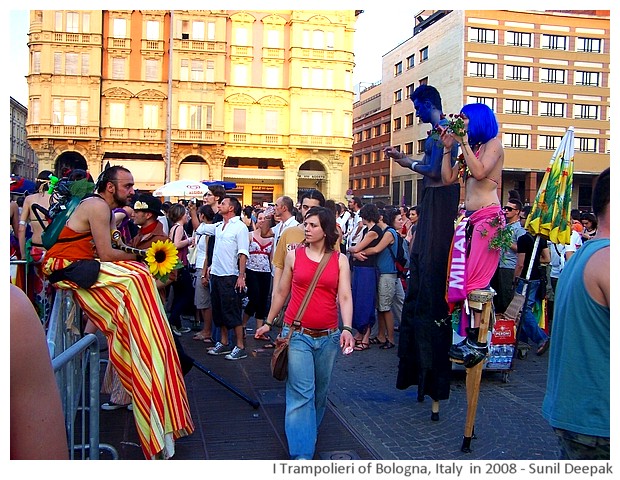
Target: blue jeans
column 529, row 325
column 310, row 365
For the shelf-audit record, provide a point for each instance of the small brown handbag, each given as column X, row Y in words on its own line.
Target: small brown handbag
column 279, row 360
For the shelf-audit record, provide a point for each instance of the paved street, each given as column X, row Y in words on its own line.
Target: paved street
column 368, row 417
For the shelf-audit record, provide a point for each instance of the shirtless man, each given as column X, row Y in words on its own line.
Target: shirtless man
column 122, row 301
column 483, row 157
column 39, row 291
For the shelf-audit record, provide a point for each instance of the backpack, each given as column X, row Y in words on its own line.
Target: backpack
column 401, row 259
column 66, row 196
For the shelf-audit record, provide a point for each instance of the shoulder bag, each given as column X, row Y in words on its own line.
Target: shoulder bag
column 279, row 360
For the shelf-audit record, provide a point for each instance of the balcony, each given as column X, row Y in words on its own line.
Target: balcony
column 76, row 38
column 199, row 46
column 197, row 136
column 273, row 53
column 241, row 51
column 119, row 44
column 152, row 46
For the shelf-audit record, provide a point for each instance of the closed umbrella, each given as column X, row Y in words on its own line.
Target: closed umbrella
column 181, row 188
column 550, row 214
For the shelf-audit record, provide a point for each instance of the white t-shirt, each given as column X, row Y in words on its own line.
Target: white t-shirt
column 575, row 242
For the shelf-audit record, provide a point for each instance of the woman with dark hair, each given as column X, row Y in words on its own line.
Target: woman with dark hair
column 313, row 347
column 390, row 222
column 182, row 287
column 588, row 220
column 365, row 277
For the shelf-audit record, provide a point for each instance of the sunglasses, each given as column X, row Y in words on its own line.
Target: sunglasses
column 509, row 209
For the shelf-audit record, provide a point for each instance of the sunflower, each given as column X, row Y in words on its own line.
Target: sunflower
column 162, row 258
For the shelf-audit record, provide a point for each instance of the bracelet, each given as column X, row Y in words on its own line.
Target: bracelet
column 413, row 164
column 22, row 222
column 268, row 324
column 447, row 152
column 348, row 329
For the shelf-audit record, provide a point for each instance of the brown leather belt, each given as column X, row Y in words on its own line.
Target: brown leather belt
column 316, row 333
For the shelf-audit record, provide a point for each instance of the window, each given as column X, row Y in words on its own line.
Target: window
column 520, row 107
column 184, row 76
column 36, row 62
column 516, row 140
column 273, row 39
column 73, row 22
column 421, row 144
column 552, row 75
column 70, row 113
column 241, row 36
column 513, row 72
column 549, row 142
column 376, row 131
column 150, row 117
column 119, row 28
column 398, row 69
column 185, row 30
column 152, row 30
column 316, row 122
column 195, row 117
column 151, row 70
column 410, row 90
column 592, row 45
column 424, row 54
column 479, row 69
column 71, row 63
column 410, row 62
column 367, row 134
column 318, row 39
column 57, row 63
column 551, row 109
column 590, row 79
column 117, row 115
column 588, row 112
column 423, row 81
column 86, row 22
column 553, row 42
column 210, row 71
column 397, row 123
column 518, row 39
column 118, row 68
column 398, row 96
column 56, row 111
column 198, row 74
column 409, row 148
column 586, row 144
column 386, row 128
column 271, row 122
column 376, row 156
column 366, row 158
column 35, row 110
column 83, row 112
column 58, row 22
column 273, row 79
column 488, row 101
column 409, row 119
column 241, row 75
column 85, row 64
column 211, row 31
column 329, row 40
column 198, row 31
column 481, row 35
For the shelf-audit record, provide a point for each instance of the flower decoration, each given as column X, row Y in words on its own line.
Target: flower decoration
column 140, row 206
column 464, row 171
column 456, row 124
column 162, row 258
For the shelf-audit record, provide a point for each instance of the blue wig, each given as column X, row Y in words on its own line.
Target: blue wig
column 482, row 123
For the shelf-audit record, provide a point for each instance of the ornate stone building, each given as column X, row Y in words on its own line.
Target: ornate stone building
column 260, row 98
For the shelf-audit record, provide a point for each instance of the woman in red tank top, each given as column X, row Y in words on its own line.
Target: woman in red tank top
column 313, row 346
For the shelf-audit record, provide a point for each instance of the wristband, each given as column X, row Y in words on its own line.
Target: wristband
column 268, row 324
column 348, row 329
column 22, row 222
column 413, row 164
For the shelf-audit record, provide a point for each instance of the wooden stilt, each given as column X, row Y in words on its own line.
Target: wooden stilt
column 478, row 300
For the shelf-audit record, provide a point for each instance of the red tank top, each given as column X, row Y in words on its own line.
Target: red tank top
column 322, row 311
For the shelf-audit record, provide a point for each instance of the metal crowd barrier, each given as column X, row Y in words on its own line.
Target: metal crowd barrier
column 75, row 360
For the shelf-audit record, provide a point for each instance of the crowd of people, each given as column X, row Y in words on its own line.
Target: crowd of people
column 238, row 263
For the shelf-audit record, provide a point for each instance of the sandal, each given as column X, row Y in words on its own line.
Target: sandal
column 200, row 336
column 210, row 341
column 387, row 345
column 375, row 341
column 270, row 345
column 359, row 346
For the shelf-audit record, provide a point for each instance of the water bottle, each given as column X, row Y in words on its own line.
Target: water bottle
column 503, row 359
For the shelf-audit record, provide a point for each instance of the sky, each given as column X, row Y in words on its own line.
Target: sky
column 378, row 30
